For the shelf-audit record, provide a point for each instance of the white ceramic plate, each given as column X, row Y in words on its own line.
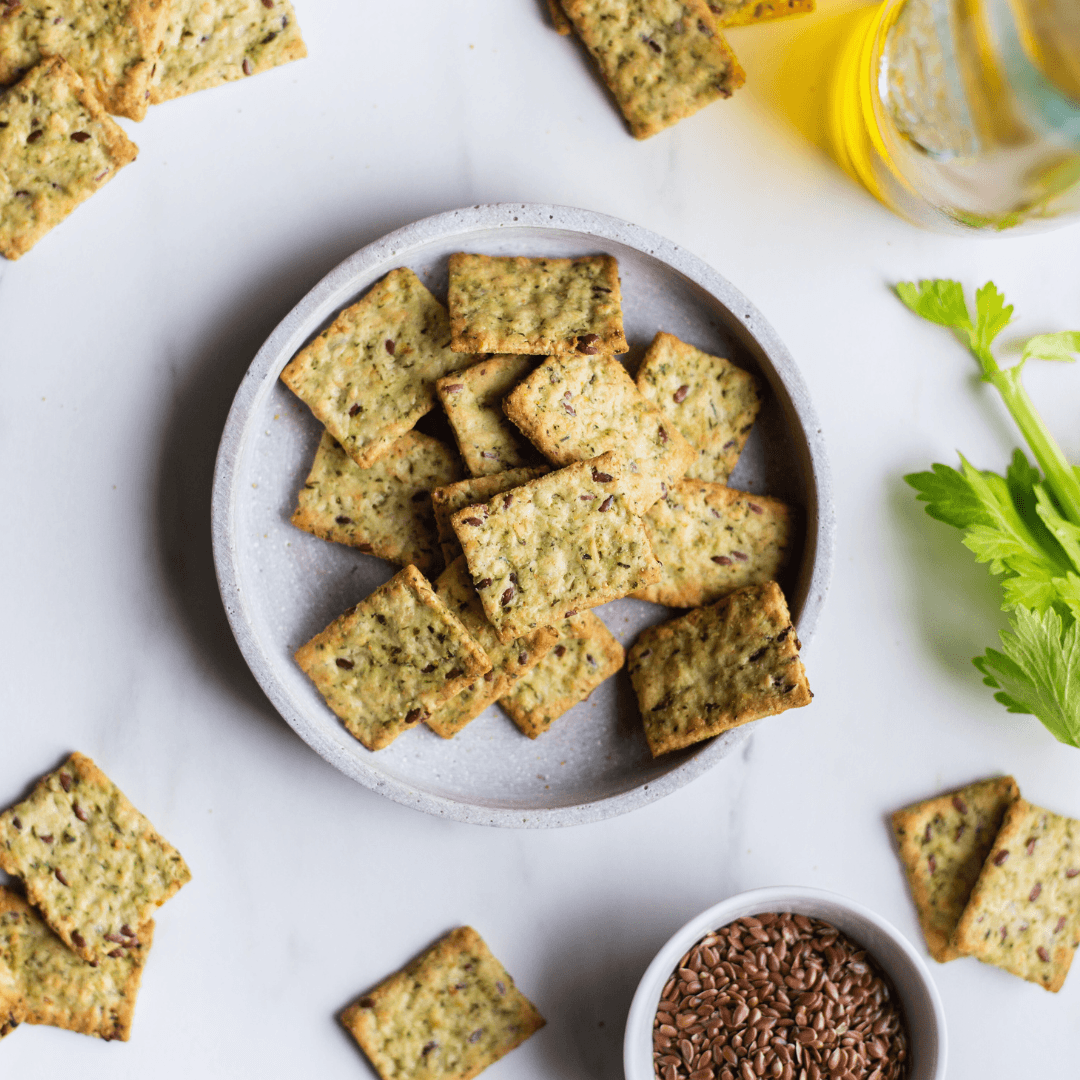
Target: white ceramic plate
column 280, row 586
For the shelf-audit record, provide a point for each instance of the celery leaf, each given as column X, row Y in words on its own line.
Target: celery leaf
column 1062, row 346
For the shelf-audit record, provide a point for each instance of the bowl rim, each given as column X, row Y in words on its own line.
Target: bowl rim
column 639, row 1018
column 331, row 292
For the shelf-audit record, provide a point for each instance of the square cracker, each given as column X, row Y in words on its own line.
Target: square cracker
column 585, row 655
column 57, row 147
column 571, row 540
column 559, row 20
column 712, row 540
column 371, row 376
column 60, row 989
column 574, row 408
column 473, row 400
column 662, row 59
column 717, row 667
column 448, row 500
column 1024, row 911
column 209, row 42
column 383, row 510
column 503, row 304
column 91, row 863
column 509, row 662
column 112, row 44
column 392, row 660
column 710, row 400
column 943, row 843
column 447, row 1016
column 747, row 12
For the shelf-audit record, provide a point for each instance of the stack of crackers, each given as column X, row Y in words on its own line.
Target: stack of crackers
column 665, row 59
column 72, row 62
column 586, row 486
column 72, row 950
column 994, row 877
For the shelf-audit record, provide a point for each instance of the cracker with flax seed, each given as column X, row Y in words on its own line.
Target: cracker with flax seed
column 559, row 20
column 1023, row 914
column 943, row 843
column 385, row 509
column 371, row 375
column 390, row 662
column 585, row 654
column 509, row 662
column 748, row 12
column 710, row 400
column 448, row 500
column 448, row 1015
column 717, row 667
column 210, row 42
column 91, row 863
column 574, row 408
column 663, row 60
column 712, row 540
column 473, row 399
column 557, row 545
column 503, row 304
column 113, row 44
column 57, row 147
column 59, row 988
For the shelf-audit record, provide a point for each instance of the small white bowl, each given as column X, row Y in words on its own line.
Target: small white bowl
column 905, row 968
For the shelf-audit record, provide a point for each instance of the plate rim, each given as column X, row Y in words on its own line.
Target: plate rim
column 341, row 279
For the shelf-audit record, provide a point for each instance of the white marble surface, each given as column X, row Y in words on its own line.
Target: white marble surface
column 122, row 339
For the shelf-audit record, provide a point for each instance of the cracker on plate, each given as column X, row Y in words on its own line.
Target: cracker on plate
column 557, row 545
column 710, row 400
column 454, row 497
column 473, row 400
column 506, row 304
column 559, row 20
column 746, row 12
column 717, row 667
column 113, row 45
column 385, row 509
column 91, row 863
column 371, row 375
column 509, row 662
column 574, row 408
column 712, row 540
column 57, row 987
column 209, row 42
column 943, row 843
column 662, row 59
column 585, row 654
column 57, row 147
column 448, row 1015
column 390, row 662
column 1024, row 911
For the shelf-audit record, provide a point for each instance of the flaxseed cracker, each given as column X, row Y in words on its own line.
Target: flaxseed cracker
column 710, row 400
column 91, row 863
column 57, row 147
column 943, row 843
column 559, row 20
column 747, row 12
column 1024, row 911
column 447, row 500
column 717, row 667
column 473, row 399
column 371, row 376
column 391, row 661
column 557, row 545
column 506, row 304
column 662, row 59
column 209, row 42
column 585, row 654
column 57, row 987
column 385, row 509
column 574, row 408
column 448, row 1015
column 712, row 540
column 113, row 44
column 509, row 662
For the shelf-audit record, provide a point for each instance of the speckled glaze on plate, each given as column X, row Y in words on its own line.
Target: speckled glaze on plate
column 280, row 586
